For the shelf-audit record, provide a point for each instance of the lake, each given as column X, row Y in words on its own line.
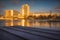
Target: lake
column 31, row 23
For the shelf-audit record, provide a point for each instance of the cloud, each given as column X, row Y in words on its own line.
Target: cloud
column 2, row 5
column 57, row 7
column 14, row 1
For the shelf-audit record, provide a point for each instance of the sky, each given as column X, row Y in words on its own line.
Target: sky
column 35, row 5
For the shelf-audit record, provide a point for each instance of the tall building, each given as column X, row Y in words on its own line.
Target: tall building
column 11, row 14
column 25, row 10
column 8, row 13
column 15, row 14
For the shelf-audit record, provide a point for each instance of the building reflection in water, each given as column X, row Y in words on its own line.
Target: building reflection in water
column 31, row 23
column 23, row 23
column 9, row 23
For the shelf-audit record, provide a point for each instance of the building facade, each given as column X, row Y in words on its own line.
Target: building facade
column 8, row 13
column 25, row 10
column 11, row 14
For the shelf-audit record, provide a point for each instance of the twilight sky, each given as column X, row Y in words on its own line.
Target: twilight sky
column 35, row 5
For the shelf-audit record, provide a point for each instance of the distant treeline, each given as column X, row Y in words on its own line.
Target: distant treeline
column 53, row 17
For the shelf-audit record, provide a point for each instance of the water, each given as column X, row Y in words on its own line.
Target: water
column 31, row 23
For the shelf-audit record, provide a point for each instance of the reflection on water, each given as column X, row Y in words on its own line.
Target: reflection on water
column 30, row 23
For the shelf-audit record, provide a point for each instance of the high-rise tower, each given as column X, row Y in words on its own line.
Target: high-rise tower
column 25, row 10
column 8, row 13
column 11, row 14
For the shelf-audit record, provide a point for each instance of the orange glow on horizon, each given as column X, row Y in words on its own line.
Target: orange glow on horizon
column 24, row 12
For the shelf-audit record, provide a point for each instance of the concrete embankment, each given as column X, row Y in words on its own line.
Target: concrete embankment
column 26, row 33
